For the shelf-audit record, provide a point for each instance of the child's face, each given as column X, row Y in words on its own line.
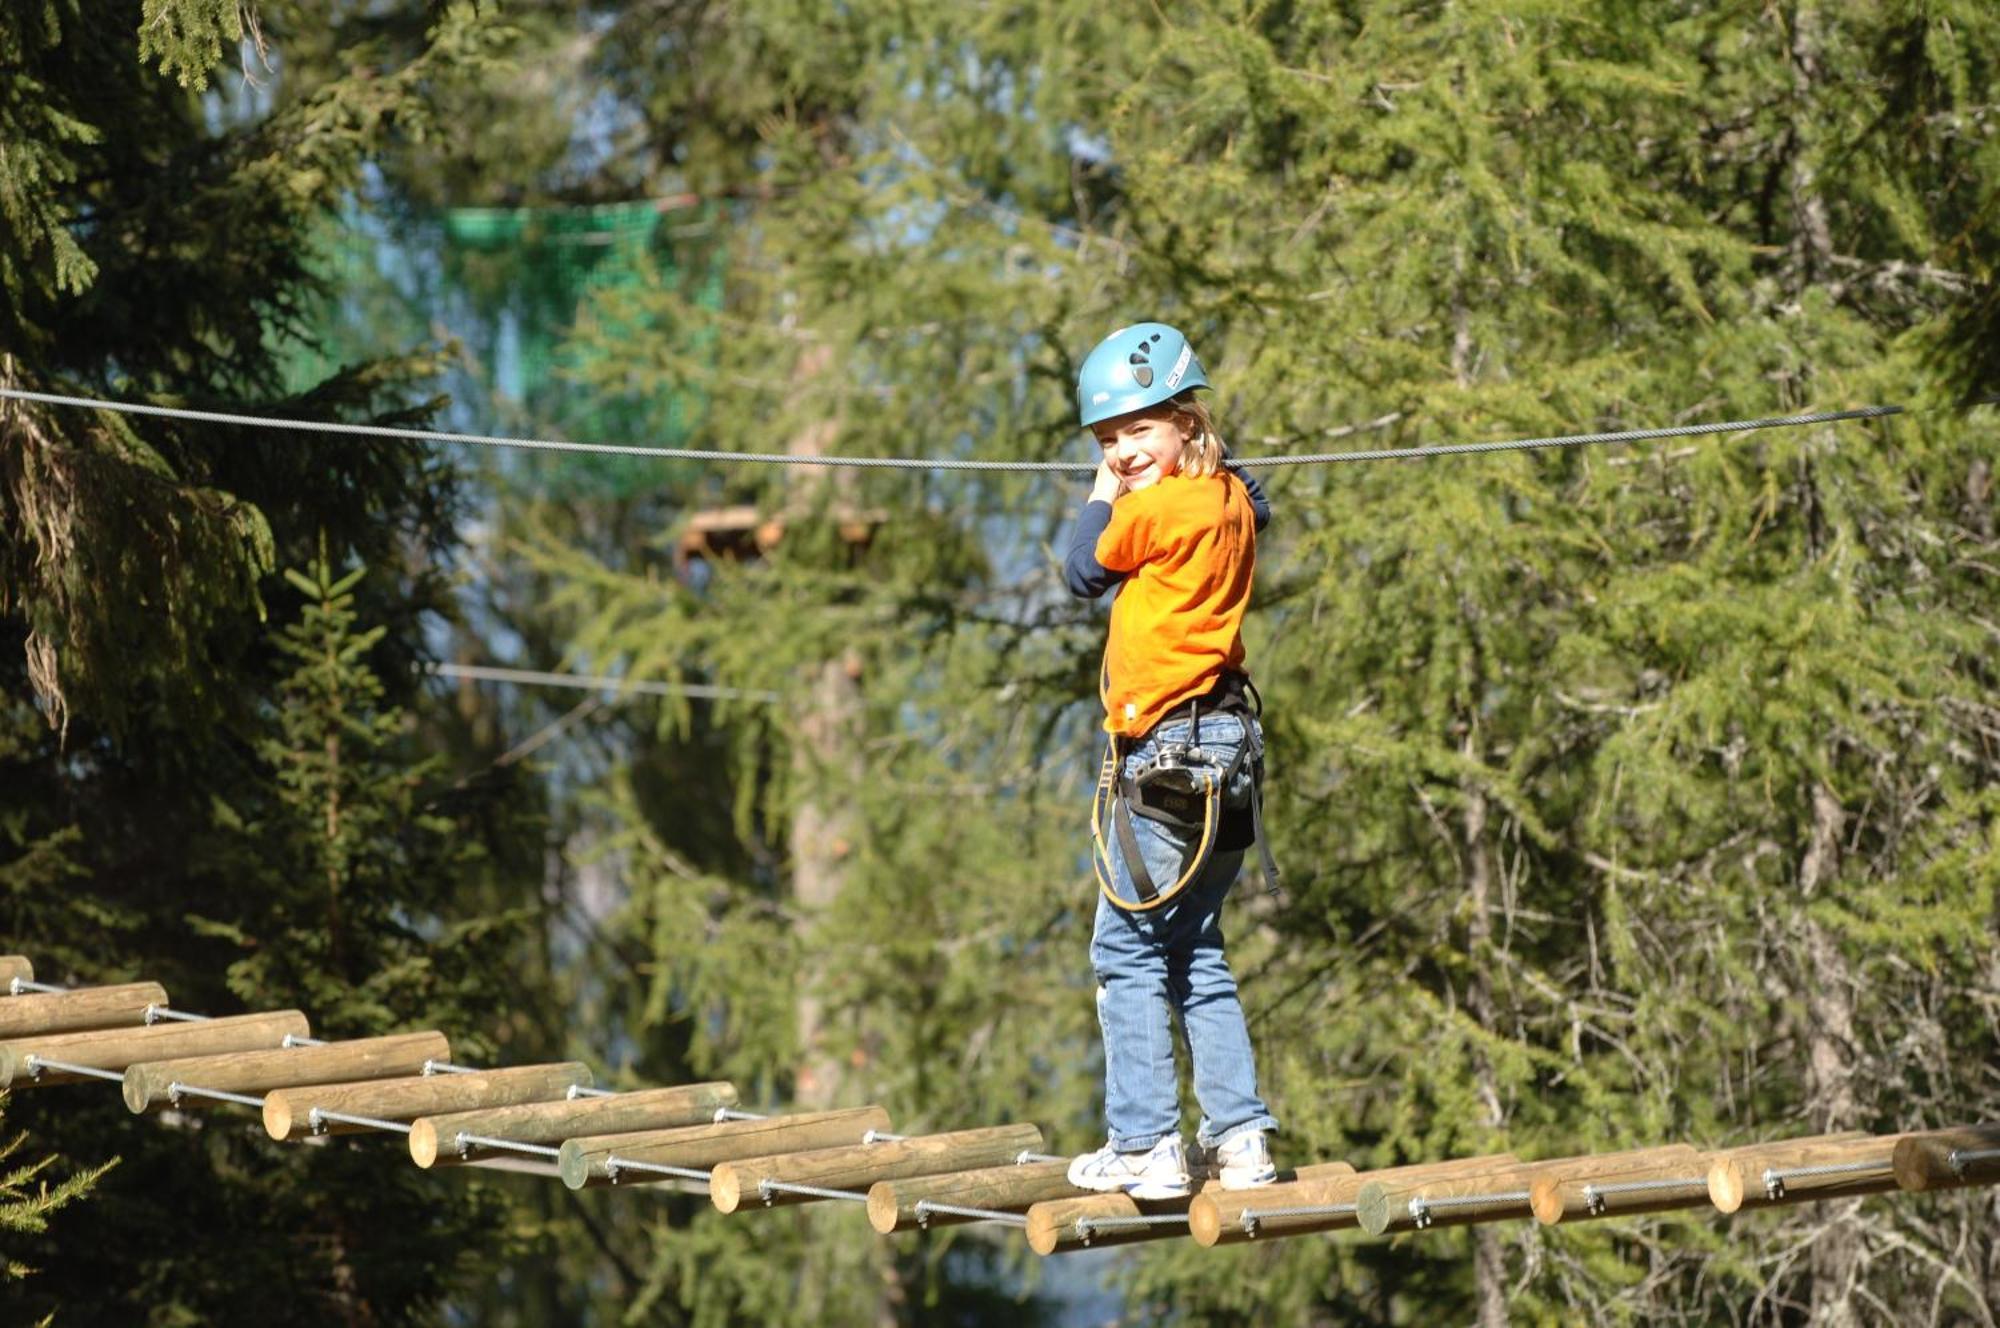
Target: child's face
column 1141, row 447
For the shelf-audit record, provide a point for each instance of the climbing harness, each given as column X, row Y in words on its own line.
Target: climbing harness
column 1194, row 796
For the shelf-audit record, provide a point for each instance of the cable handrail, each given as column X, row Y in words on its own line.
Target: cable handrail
column 718, row 456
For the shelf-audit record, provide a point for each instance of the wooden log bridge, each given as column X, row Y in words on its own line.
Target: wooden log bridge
column 607, row 1159
column 115, row 1048
column 791, row 1177
column 691, row 1137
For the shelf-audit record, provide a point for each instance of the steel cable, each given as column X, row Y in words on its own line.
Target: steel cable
column 931, row 463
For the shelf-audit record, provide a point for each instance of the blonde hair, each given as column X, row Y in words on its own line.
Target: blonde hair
column 1201, row 454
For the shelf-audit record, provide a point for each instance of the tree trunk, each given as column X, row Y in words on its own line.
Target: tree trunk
column 1829, row 1004
column 827, row 766
column 1489, row 1259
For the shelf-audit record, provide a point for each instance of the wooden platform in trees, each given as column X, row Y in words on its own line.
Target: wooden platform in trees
column 548, row 1119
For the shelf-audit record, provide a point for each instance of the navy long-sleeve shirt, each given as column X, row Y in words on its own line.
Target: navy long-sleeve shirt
column 1086, row 578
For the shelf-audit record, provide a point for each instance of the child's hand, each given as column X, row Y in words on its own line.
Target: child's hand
column 1107, row 487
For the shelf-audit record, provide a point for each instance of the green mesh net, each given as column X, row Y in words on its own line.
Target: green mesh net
column 530, row 299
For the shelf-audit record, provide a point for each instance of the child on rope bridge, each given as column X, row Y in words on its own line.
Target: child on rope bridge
column 1178, row 800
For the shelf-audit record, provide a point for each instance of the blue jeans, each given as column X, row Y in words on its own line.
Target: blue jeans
column 1155, row 966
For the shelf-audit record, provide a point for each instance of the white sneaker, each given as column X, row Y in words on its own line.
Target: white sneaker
column 1243, row 1162
column 1159, row 1173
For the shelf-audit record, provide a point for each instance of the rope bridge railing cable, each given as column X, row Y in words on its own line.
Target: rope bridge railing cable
column 767, row 1188
column 317, row 1118
column 1250, row 1217
column 1775, row 1178
column 934, row 463
column 1596, row 1192
column 34, row 1065
column 927, row 1208
column 176, row 1091
column 538, row 444
column 615, row 1164
column 1579, row 439
column 465, row 1141
column 1423, row 1206
column 1085, row 1226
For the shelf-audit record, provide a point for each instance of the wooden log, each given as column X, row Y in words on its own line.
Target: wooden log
column 1948, row 1159
column 1738, row 1179
column 434, row 1140
column 1058, row 1225
column 1217, row 1216
column 147, row 1083
column 892, row 1204
column 117, row 1048
column 288, row 1112
column 739, row 1184
column 1646, row 1180
column 14, row 966
column 122, row 1006
column 1053, row 1224
column 1472, row 1195
column 1944, row 1159
column 584, row 1161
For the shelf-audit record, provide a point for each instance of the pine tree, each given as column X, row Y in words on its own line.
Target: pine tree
column 27, row 1199
column 1626, row 796
column 1539, row 797
column 158, row 213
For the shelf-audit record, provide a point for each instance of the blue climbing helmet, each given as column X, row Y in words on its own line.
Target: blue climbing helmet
column 1133, row 368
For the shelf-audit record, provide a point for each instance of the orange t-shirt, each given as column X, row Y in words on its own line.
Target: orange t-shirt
column 1187, row 547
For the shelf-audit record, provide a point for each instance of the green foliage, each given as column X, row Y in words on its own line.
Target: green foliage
column 346, row 856
column 27, row 1199
column 185, row 791
column 1627, row 796
column 27, row 1203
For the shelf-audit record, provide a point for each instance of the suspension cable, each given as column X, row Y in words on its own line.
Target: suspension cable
column 931, row 463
